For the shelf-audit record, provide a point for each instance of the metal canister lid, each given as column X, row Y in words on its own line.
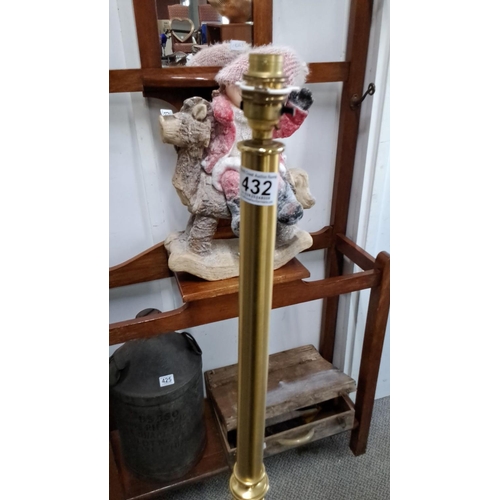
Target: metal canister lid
column 155, row 370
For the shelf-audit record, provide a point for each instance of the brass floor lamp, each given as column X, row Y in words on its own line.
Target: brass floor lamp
column 263, row 93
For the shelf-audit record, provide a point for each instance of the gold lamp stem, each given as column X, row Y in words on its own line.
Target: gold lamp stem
column 259, row 174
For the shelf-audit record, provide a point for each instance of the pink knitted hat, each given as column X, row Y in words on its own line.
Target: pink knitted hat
column 294, row 68
column 218, row 54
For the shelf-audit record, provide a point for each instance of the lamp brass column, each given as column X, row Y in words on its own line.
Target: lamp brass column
column 263, row 95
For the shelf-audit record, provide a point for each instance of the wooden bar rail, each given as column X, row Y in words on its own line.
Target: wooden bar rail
column 214, row 309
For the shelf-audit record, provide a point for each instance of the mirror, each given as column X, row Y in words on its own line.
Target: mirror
column 150, row 21
column 236, row 11
column 184, row 24
column 181, row 28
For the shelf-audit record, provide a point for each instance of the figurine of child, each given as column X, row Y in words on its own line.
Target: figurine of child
column 223, row 159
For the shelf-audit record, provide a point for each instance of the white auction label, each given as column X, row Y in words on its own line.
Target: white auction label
column 166, row 112
column 167, row 380
column 237, row 45
column 258, row 188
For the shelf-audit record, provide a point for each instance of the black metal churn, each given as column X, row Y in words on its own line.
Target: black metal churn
column 156, row 397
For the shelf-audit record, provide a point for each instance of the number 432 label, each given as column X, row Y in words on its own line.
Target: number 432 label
column 258, row 188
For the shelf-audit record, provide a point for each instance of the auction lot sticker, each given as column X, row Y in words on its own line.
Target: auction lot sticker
column 258, row 188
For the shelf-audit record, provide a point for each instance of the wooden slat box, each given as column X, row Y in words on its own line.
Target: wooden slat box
column 307, row 400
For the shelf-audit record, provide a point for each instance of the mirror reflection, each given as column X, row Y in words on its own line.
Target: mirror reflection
column 181, row 29
column 186, row 26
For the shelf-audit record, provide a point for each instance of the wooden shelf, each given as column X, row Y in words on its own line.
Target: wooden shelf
column 208, row 302
column 212, row 462
column 193, row 288
column 177, row 78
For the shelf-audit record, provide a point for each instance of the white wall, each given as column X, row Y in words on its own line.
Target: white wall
column 144, row 207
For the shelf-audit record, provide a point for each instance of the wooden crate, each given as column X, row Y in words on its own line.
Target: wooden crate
column 307, row 400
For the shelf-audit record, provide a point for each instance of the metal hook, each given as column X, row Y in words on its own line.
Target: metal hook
column 356, row 101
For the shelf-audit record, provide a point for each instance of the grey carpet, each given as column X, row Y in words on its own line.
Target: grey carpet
column 323, row 470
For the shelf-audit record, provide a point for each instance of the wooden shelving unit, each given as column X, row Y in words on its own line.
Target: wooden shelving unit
column 206, row 302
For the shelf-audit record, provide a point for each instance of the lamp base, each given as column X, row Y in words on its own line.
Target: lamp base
column 244, row 490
